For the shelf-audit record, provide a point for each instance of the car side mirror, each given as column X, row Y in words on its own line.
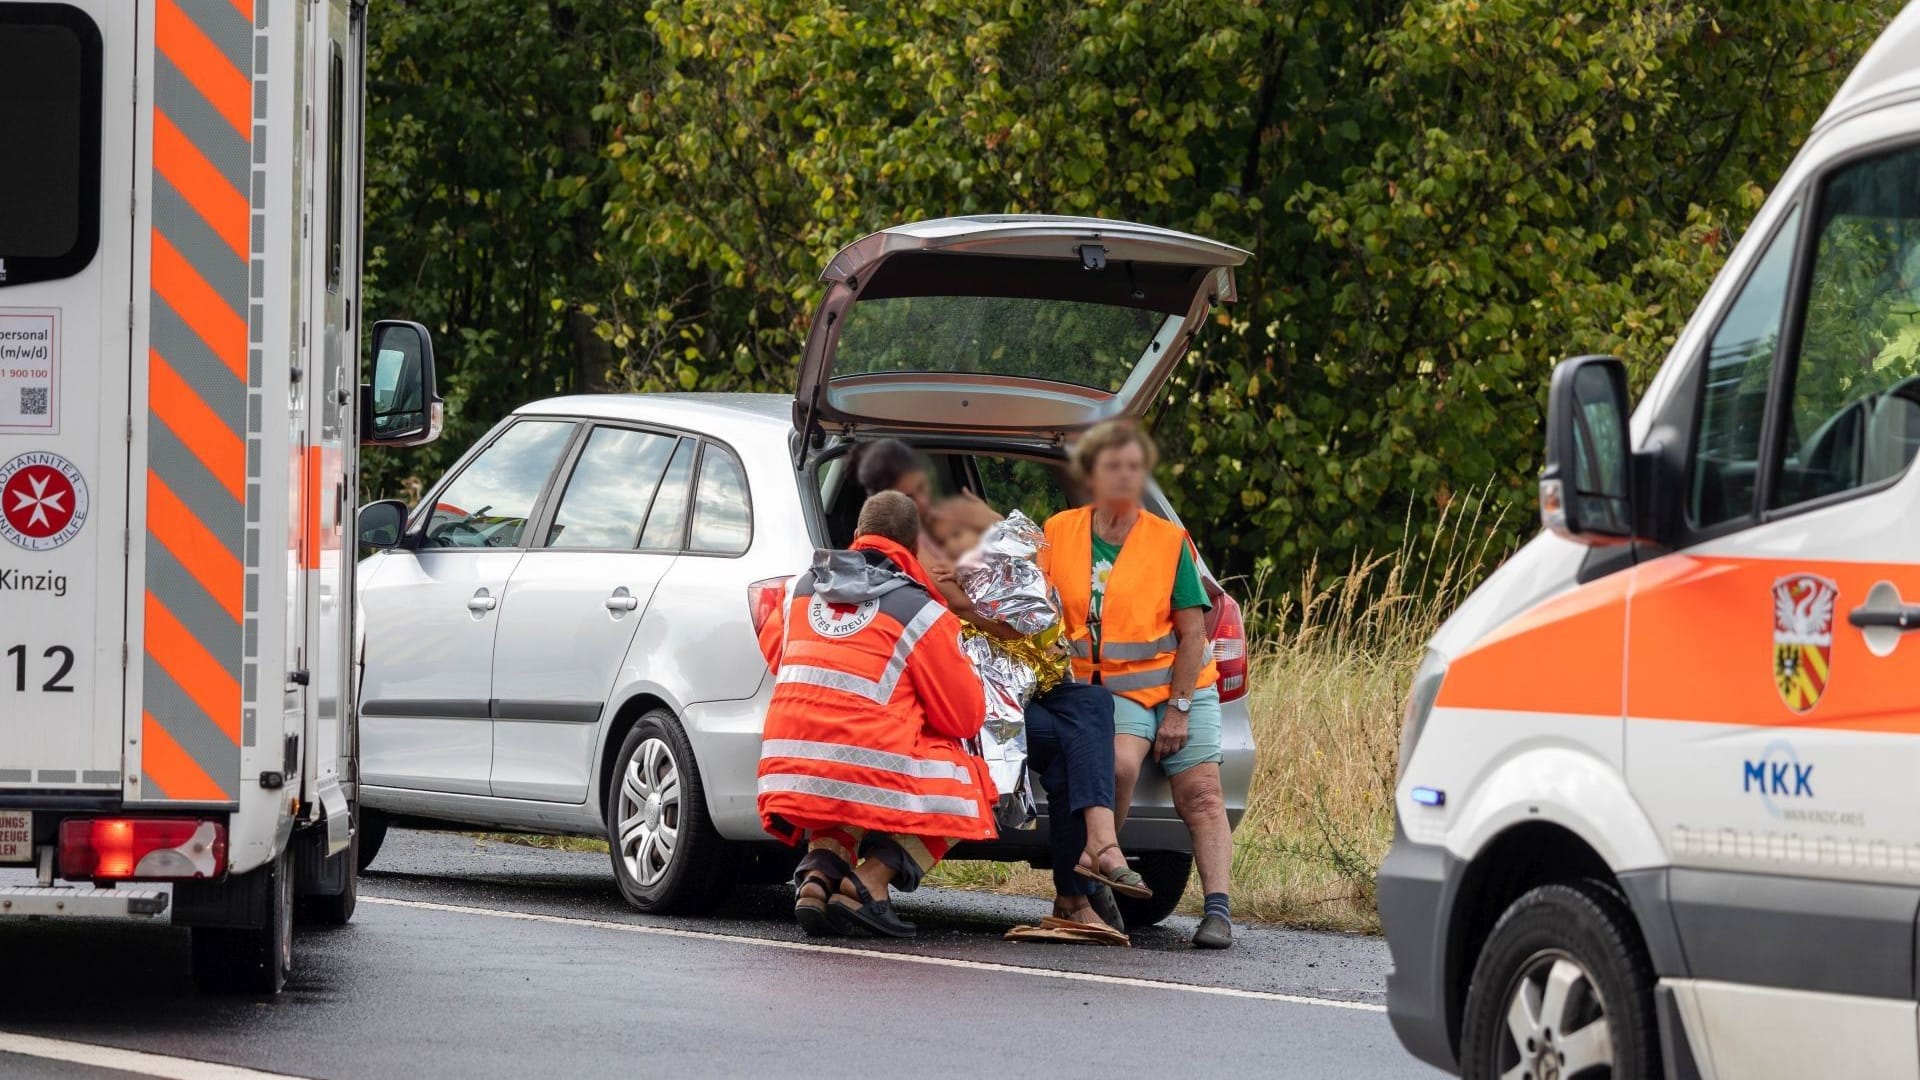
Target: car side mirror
column 383, row 524
column 401, row 406
column 1586, row 489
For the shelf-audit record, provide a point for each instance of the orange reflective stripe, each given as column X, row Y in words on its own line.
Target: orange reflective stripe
column 1563, row 656
column 225, row 87
column 203, row 431
column 199, row 306
column 171, row 771
column 195, row 547
column 1702, row 648
column 188, row 663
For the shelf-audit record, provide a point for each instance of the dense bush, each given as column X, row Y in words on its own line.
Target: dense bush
column 1442, row 199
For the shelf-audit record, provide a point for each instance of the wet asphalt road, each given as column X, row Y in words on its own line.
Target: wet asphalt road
column 483, row 959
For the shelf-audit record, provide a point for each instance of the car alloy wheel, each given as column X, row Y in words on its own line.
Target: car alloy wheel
column 1557, row 1025
column 649, row 812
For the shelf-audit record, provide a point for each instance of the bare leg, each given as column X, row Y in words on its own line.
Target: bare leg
column 1077, row 909
column 875, row 875
column 1129, row 753
column 1197, row 797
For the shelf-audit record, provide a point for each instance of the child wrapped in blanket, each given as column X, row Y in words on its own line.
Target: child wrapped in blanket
column 995, row 564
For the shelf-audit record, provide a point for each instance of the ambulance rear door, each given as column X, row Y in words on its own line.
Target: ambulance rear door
column 66, row 185
column 1773, row 689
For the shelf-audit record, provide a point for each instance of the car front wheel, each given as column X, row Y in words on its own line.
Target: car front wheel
column 667, row 856
column 1563, row 991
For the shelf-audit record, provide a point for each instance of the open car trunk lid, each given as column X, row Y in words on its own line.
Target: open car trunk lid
column 1011, row 324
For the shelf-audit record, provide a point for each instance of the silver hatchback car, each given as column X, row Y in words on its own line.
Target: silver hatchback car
column 563, row 636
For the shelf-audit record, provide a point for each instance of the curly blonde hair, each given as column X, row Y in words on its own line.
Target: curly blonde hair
column 1110, row 435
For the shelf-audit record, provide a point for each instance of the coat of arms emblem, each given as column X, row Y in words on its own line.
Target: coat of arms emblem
column 1803, row 638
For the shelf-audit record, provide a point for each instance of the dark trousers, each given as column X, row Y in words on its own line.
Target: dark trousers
column 1070, row 744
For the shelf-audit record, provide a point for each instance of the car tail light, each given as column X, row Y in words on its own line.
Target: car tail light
column 764, row 597
column 147, row 849
column 1230, row 648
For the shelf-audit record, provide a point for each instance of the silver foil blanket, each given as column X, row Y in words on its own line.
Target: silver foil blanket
column 1003, row 579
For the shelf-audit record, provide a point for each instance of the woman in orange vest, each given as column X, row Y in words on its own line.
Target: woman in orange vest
column 861, row 753
column 1135, row 611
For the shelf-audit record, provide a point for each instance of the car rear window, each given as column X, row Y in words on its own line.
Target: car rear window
column 1087, row 344
column 49, row 141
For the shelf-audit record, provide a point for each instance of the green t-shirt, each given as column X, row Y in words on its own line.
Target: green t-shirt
column 1188, row 592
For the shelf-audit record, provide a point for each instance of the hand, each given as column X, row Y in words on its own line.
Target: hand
column 1172, row 734
column 943, row 574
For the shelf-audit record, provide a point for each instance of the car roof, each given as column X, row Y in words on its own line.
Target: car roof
column 698, row 411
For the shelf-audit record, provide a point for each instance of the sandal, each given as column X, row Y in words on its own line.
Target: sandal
column 811, row 911
column 865, row 913
column 1124, row 879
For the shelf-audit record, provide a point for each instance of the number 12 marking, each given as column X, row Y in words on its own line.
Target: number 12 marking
column 54, row 684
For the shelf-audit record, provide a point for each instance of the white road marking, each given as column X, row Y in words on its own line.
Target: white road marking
column 875, row 954
column 133, row 1061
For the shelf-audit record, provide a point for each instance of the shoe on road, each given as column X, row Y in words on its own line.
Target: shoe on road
column 1214, row 933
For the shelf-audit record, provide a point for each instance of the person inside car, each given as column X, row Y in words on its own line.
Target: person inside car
column 1135, row 611
column 862, row 752
column 891, row 465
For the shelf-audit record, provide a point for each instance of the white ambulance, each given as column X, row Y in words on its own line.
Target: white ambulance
column 1659, row 801
column 180, row 414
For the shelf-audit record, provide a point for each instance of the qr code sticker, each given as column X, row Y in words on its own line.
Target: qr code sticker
column 33, row 401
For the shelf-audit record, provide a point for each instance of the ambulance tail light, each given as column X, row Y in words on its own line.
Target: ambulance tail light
column 764, row 597
column 1230, row 648
column 142, row 849
column 1426, row 687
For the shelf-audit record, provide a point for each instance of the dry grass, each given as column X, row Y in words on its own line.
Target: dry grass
column 1329, row 675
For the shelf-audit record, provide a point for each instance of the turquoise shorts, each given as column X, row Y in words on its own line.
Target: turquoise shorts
column 1203, row 729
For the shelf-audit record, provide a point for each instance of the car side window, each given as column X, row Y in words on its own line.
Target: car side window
column 488, row 503
column 607, row 497
column 1854, row 416
column 722, row 511
column 1725, row 467
column 667, row 519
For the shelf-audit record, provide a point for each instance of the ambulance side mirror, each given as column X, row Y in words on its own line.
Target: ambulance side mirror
column 1586, row 489
column 401, row 406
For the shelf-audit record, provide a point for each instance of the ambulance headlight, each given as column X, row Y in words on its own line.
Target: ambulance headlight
column 1426, row 687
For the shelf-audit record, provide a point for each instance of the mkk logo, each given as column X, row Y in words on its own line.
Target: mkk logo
column 1776, row 774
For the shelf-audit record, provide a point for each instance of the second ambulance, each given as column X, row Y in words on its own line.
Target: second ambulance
column 1659, row 802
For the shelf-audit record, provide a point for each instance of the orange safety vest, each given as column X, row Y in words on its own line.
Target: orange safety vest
column 1134, row 658
column 872, row 697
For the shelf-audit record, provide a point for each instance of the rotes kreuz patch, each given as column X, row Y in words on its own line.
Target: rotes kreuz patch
column 43, row 501
column 1803, row 607
column 834, row 620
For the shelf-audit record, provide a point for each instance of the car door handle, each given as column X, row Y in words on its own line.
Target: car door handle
column 480, row 603
column 1906, row 617
column 621, row 600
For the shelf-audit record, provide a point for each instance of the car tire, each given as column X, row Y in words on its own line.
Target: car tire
column 251, row 959
column 1166, row 873
column 369, row 832
column 1562, row 981
column 666, row 854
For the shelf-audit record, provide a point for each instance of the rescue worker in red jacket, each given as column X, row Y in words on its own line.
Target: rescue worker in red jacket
column 862, row 753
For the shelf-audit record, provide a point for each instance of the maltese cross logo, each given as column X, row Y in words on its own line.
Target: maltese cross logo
column 43, row 501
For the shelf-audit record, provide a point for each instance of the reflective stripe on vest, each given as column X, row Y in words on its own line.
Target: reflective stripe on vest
column 879, row 691
column 866, row 758
column 1138, row 680
column 868, row 795
column 1127, row 650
